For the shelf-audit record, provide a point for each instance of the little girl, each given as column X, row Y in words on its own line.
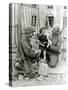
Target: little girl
column 43, row 67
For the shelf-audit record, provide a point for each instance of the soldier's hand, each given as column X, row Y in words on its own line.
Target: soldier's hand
column 18, row 59
column 49, row 43
column 38, row 53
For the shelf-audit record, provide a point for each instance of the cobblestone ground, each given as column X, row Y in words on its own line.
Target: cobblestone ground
column 56, row 76
column 52, row 79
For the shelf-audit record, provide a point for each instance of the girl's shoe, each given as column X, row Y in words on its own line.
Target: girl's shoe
column 40, row 78
column 26, row 78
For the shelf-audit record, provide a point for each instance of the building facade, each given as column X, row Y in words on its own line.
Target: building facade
column 35, row 15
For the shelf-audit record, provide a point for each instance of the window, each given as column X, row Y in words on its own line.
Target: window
column 65, row 7
column 64, row 21
column 51, row 20
column 34, row 5
column 50, row 6
column 33, row 21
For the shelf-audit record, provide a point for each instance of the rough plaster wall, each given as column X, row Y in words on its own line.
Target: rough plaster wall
column 42, row 15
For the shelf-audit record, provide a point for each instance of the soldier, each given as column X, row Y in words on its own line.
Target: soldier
column 26, row 54
column 54, row 47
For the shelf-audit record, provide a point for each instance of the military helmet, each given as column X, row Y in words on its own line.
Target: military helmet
column 55, row 30
column 28, row 30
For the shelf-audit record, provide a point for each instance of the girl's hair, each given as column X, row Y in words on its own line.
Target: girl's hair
column 41, row 29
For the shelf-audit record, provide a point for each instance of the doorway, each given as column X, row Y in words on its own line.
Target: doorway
column 51, row 20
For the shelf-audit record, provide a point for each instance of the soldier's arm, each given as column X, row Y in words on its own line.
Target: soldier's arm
column 57, row 47
column 54, row 48
column 27, row 49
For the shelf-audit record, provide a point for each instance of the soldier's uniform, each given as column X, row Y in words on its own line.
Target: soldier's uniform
column 54, row 49
column 25, row 52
